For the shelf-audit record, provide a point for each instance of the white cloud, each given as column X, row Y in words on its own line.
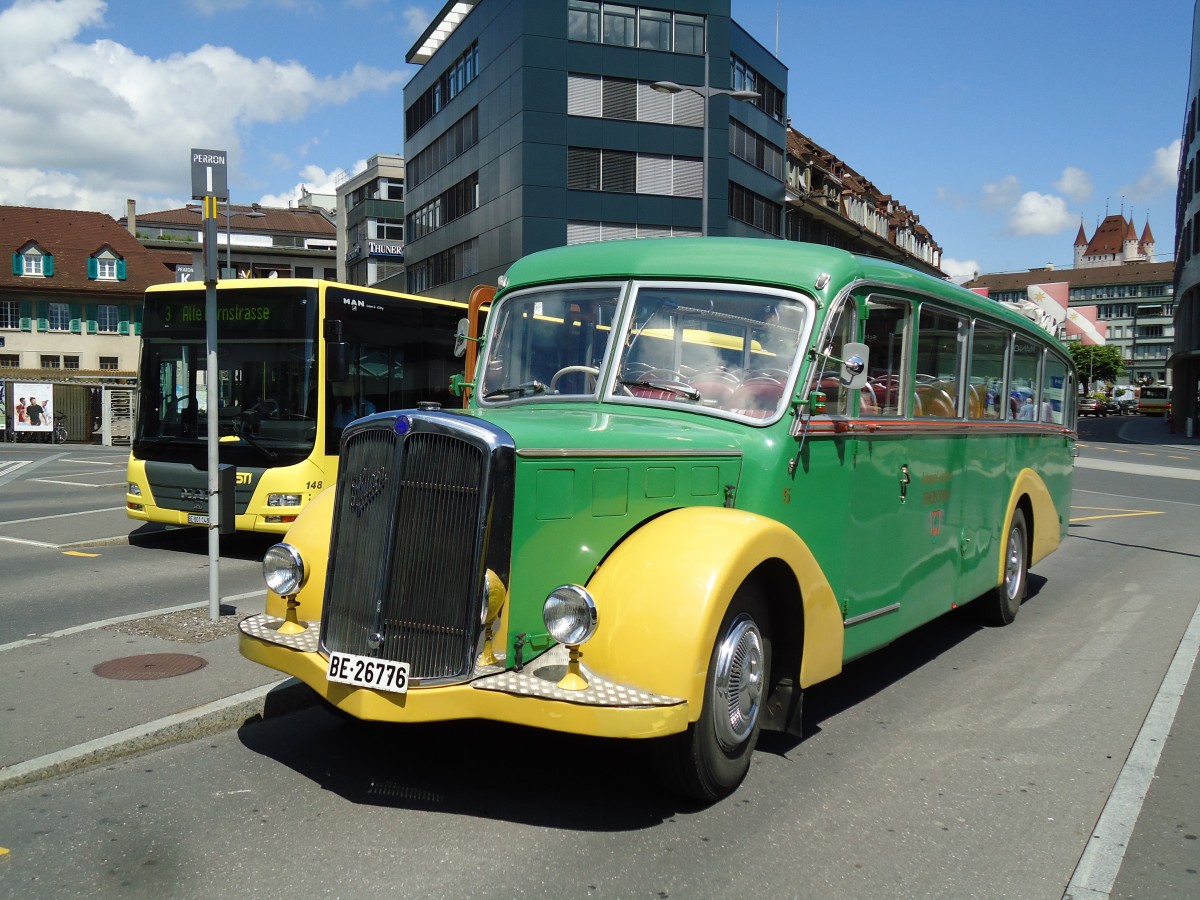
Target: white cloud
column 1161, row 178
column 960, row 270
column 1075, row 183
column 1039, row 214
column 1001, row 194
column 315, row 180
column 101, row 115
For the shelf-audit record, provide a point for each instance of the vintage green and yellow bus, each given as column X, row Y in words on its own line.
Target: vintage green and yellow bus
column 297, row 360
column 696, row 477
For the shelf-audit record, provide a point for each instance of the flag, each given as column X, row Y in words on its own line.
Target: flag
column 1084, row 321
column 1052, row 298
column 982, row 292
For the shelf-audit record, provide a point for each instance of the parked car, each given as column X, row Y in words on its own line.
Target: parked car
column 1090, row 406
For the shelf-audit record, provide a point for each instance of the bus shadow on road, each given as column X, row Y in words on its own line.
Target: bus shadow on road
column 194, row 541
column 864, row 678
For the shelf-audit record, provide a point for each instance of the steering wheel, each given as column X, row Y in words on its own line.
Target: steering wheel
column 567, row 370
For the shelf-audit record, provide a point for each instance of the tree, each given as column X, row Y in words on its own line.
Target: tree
column 1094, row 362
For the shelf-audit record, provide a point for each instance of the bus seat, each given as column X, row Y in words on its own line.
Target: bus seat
column 867, row 403
column 975, row 402
column 761, row 394
column 714, row 392
column 935, row 402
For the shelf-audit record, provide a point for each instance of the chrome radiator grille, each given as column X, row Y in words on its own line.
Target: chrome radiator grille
column 410, row 533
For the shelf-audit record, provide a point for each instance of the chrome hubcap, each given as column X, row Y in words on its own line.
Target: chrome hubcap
column 1012, row 564
column 738, row 682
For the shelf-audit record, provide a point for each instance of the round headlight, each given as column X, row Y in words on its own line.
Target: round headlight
column 283, row 569
column 570, row 614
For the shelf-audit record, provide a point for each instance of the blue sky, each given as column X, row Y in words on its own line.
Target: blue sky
column 1002, row 125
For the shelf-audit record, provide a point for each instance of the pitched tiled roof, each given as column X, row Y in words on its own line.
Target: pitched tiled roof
column 1110, row 237
column 1129, row 273
column 72, row 237
column 264, row 220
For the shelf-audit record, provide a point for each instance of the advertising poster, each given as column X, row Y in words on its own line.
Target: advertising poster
column 30, row 407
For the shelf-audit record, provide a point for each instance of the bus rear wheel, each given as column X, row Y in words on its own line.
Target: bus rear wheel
column 710, row 759
column 1001, row 605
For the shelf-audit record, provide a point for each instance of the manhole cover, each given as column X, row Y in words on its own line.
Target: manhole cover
column 149, row 666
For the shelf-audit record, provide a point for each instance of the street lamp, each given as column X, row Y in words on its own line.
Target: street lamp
column 705, row 93
column 253, row 214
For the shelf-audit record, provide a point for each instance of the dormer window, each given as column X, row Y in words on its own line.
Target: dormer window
column 106, row 265
column 33, row 262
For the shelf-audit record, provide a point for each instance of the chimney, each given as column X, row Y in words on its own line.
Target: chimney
column 131, row 216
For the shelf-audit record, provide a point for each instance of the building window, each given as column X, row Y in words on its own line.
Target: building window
column 389, row 229
column 622, row 172
column 9, row 361
column 745, row 78
column 756, row 150
column 754, row 209
column 108, row 319
column 108, row 363
column 391, row 188
column 70, row 362
column 449, row 85
column 620, row 25
column 10, row 314
column 59, row 317
column 583, row 21
column 51, row 362
column 689, row 34
column 460, row 261
column 583, row 168
column 447, row 147
column 451, row 204
column 33, row 263
column 621, row 98
column 654, row 29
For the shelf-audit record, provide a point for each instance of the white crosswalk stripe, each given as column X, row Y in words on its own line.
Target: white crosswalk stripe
column 10, row 466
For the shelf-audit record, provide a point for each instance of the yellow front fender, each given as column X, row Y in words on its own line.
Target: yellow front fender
column 661, row 595
column 310, row 535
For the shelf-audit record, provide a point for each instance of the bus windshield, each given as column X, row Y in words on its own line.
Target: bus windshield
column 267, row 380
column 719, row 349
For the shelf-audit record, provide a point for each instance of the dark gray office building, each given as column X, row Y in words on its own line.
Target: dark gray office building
column 538, row 123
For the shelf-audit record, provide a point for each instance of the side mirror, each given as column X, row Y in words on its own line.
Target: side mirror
column 337, row 366
column 853, row 373
column 460, row 337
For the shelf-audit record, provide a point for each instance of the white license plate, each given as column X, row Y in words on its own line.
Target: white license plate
column 363, row 671
column 196, row 519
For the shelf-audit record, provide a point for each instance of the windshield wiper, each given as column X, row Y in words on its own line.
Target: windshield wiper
column 521, row 390
column 253, row 442
column 675, row 387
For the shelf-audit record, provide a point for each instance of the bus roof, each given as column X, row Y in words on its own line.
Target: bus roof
column 785, row 264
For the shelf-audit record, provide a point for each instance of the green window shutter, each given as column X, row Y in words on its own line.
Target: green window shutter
column 76, row 318
column 120, row 270
column 26, row 316
column 48, row 265
column 43, row 316
column 123, row 320
column 93, row 267
column 137, row 320
column 18, row 264
column 92, row 315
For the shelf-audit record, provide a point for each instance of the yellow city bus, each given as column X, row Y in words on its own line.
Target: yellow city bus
column 298, row 359
column 1152, row 401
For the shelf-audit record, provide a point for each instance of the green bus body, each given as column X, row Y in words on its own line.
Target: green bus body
column 844, row 511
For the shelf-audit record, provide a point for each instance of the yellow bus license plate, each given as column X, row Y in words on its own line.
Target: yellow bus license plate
column 362, row 671
column 194, row 519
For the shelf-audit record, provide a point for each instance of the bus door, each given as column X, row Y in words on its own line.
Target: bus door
column 903, row 507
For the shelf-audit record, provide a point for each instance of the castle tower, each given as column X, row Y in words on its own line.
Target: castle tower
column 1081, row 243
column 1147, row 244
column 1129, row 246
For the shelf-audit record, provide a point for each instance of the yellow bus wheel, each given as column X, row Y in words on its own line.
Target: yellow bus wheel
column 710, row 759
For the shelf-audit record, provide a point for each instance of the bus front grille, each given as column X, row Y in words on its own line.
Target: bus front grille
column 409, row 544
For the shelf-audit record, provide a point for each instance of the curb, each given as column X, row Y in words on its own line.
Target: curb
column 266, row 702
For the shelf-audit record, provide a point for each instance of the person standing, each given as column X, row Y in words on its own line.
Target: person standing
column 34, row 412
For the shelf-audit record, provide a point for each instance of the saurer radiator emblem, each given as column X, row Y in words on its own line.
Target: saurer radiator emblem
column 365, row 487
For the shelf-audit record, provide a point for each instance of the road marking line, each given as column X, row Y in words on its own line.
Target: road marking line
column 82, row 512
column 1097, row 870
column 13, row 465
column 78, row 483
column 1124, row 515
column 79, row 553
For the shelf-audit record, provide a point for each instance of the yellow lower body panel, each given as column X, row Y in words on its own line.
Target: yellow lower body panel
column 531, row 697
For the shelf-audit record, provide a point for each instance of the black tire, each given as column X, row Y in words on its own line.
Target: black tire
column 710, row 759
column 1001, row 604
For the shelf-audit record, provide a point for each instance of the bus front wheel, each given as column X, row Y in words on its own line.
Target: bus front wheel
column 1001, row 605
column 710, row 759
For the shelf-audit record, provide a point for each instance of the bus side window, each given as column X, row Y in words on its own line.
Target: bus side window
column 1023, row 379
column 941, row 339
column 884, row 332
column 985, row 381
column 842, row 332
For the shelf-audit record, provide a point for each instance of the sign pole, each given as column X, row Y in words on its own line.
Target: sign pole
column 209, row 183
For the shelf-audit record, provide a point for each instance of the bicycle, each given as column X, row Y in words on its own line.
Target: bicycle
column 59, row 435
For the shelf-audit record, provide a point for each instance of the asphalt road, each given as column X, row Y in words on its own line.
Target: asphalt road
column 961, row 762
